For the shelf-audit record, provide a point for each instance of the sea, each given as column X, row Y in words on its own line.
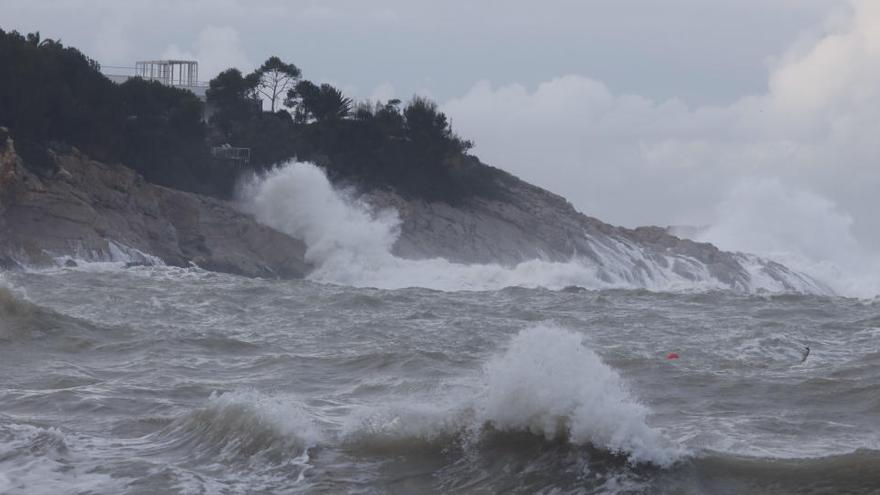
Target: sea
column 378, row 375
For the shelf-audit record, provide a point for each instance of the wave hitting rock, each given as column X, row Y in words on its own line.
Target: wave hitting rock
column 99, row 212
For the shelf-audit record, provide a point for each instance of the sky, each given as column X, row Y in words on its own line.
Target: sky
column 680, row 112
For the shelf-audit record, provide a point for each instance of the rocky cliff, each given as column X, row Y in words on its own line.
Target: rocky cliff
column 95, row 211
column 526, row 222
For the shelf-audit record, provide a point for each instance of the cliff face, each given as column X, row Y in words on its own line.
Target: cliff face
column 531, row 223
column 95, row 211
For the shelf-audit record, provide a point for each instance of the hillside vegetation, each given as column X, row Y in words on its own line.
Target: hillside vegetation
column 53, row 97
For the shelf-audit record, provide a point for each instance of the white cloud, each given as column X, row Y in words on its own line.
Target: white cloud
column 633, row 160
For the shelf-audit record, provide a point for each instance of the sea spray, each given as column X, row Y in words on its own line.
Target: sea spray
column 299, row 200
column 350, row 244
column 548, row 383
column 799, row 229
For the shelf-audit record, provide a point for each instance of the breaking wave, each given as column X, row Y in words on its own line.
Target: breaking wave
column 550, row 384
column 546, row 384
column 246, row 427
column 350, row 244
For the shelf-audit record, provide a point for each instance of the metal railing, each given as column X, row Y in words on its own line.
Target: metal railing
column 231, row 153
column 122, row 73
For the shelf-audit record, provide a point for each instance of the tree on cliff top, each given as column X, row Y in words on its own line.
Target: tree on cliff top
column 275, row 78
column 56, row 94
column 322, row 103
column 429, row 127
column 233, row 97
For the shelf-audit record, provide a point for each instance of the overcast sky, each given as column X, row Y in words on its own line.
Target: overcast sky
column 701, row 51
column 638, row 111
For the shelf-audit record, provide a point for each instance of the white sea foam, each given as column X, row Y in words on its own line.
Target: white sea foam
column 116, row 257
column 36, row 461
column 350, row 244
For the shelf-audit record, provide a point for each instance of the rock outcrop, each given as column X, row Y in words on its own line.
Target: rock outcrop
column 527, row 222
column 96, row 211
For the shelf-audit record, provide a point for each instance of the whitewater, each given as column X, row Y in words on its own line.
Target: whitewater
column 379, row 374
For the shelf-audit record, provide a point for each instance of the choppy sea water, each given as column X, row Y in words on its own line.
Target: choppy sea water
column 164, row 380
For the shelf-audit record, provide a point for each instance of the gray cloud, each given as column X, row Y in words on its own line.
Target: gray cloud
column 636, row 160
column 697, row 50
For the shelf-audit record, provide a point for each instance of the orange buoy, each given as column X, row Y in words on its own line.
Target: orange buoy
column 672, row 355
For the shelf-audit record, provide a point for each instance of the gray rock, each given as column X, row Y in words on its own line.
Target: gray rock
column 95, row 211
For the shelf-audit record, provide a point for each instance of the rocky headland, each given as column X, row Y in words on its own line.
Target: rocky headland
column 170, row 201
column 88, row 210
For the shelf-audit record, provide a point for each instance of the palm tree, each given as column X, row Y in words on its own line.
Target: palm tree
column 34, row 39
column 333, row 104
column 322, row 103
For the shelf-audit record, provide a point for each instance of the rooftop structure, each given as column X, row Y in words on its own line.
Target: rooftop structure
column 178, row 73
column 169, row 72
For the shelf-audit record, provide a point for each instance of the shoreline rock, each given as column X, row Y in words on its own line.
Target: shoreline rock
column 532, row 223
column 100, row 212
